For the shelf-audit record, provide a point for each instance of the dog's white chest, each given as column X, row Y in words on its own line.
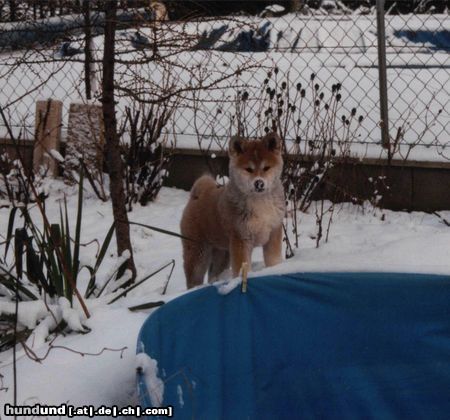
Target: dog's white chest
column 264, row 217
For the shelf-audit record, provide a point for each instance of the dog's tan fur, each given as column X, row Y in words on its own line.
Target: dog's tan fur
column 224, row 224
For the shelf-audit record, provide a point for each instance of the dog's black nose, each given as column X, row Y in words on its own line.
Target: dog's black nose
column 259, row 185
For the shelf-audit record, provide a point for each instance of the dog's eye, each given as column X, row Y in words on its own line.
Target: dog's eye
column 266, row 168
column 249, row 170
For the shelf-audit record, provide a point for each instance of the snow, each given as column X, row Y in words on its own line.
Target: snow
column 99, row 367
column 180, row 395
column 228, row 286
column 56, row 155
column 155, row 384
column 29, row 313
column 72, row 316
column 42, row 331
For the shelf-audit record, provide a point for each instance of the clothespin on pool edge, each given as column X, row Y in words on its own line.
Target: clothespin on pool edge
column 244, row 274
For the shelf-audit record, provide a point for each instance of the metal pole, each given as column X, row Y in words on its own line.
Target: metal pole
column 381, row 35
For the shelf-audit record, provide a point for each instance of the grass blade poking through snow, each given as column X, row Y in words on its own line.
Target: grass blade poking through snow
column 76, row 248
column 138, row 283
column 101, row 255
column 156, row 229
column 12, row 215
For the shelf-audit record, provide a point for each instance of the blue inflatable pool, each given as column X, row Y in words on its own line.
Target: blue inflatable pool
column 305, row 346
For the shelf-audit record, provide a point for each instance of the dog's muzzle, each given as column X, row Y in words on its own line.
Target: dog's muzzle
column 259, row 185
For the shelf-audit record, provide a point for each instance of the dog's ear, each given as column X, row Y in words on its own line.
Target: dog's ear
column 236, row 146
column 272, row 141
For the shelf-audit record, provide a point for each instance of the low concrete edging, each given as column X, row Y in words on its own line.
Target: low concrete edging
column 413, row 185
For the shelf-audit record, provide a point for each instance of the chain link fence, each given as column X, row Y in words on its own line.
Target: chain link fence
column 241, row 73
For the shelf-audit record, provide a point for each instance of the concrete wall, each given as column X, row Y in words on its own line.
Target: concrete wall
column 421, row 186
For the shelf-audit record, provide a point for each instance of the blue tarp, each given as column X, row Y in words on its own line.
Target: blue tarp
column 306, row 346
column 435, row 40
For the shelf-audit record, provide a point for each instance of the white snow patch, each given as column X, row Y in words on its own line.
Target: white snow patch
column 72, row 316
column 126, row 277
column 42, row 331
column 275, row 8
column 228, row 286
column 56, row 155
column 155, row 385
column 180, row 396
column 29, row 313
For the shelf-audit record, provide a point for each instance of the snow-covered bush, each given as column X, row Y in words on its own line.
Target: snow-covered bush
column 39, row 290
column 145, row 151
column 317, row 130
column 15, row 183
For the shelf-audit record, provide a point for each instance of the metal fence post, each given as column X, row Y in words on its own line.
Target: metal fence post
column 381, row 36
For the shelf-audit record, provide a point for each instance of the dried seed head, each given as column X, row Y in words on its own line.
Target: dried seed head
column 317, row 103
column 245, row 96
column 276, row 70
column 299, row 86
column 338, row 97
column 316, row 86
column 360, row 119
column 302, row 93
column 297, row 139
column 353, row 112
column 284, row 85
column 321, row 96
column 313, row 76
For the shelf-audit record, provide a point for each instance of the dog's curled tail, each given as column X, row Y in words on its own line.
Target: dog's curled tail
column 204, row 183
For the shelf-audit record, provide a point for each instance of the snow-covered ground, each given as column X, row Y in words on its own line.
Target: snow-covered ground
column 338, row 49
column 361, row 239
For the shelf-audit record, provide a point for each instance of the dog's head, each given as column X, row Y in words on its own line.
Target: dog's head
column 255, row 165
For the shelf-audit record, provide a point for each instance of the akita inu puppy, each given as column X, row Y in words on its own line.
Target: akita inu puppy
column 224, row 224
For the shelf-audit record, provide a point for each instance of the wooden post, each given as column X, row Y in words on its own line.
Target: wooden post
column 244, row 275
column 85, row 139
column 47, row 135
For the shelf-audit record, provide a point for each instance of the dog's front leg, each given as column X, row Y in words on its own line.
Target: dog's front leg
column 240, row 252
column 272, row 249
